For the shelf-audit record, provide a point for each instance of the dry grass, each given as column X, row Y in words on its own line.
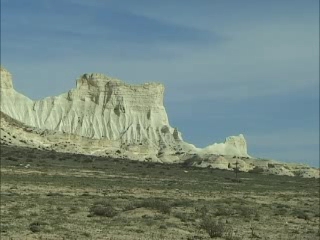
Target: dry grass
column 65, row 196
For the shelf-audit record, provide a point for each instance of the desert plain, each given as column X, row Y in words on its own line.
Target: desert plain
column 52, row 195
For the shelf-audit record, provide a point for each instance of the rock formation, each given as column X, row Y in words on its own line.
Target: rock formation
column 100, row 107
column 105, row 116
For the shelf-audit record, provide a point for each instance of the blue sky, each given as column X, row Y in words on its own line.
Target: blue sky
column 229, row 67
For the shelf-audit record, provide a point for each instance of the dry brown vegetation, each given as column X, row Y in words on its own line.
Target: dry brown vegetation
column 49, row 195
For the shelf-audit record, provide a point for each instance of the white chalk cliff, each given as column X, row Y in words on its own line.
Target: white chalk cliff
column 104, row 116
column 102, row 107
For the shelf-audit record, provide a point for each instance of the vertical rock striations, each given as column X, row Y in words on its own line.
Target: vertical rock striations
column 100, row 107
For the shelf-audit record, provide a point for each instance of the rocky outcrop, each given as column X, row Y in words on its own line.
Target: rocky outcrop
column 234, row 145
column 6, row 79
column 100, row 107
column 104, row 116
column 251, row 165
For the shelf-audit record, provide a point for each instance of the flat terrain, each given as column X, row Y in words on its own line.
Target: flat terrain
column 50, row 195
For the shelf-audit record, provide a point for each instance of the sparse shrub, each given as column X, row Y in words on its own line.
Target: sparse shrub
column 246, row 211
column 237, row 180
column 103, row 209
column 181, row 202
column 139, row 231
column 35, row 227
column 224, row 211
column 184, row 217
column 233, row 237
column 12, row 159
column 87, row 160
column 33, row 214
column 213, row 227
column 163, row 227
column 52, row 156
column 159, row 217
column 73, row 209
column 195, row 237
column 301, row 214
column 130, row 206
column 54, row 194
column 59, row 208
column 202, row 211
column 85, row 194
column 230, row 235
column 281, row 211
column 296, row 231
column 156, row 204
column 4, row 228
column 86, row 234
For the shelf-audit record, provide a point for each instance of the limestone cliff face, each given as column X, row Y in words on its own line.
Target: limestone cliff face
column 101, row 107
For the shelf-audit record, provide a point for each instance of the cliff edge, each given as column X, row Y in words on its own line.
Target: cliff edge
column 102, row 107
